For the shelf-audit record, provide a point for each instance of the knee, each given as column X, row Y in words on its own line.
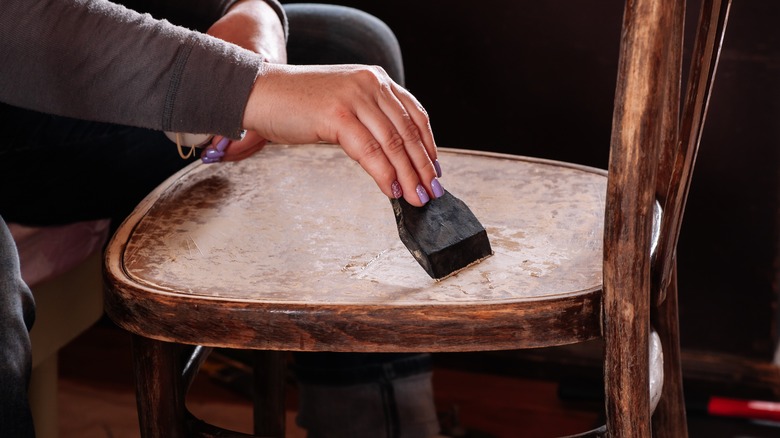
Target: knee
column 351, row 36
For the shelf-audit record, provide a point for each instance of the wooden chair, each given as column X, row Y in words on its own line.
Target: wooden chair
column 261, row 255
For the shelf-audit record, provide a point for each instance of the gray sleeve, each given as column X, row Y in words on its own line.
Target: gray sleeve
column 96, row 60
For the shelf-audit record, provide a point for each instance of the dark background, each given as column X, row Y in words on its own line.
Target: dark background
column 537, row 78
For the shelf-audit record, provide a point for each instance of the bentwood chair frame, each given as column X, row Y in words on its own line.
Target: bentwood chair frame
column 653, row 148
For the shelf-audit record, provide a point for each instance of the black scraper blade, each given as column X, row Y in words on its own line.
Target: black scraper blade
column 444, row 236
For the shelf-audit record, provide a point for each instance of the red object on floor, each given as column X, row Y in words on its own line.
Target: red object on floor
column 749, row 409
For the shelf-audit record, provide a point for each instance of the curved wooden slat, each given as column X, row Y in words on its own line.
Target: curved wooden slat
column 677, row 171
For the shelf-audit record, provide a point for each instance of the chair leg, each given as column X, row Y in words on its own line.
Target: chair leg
column 159, row 388
column 269, row 393
column 626, row 379
column 669, row 419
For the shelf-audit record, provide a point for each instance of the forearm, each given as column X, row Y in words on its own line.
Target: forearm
column 96, row 60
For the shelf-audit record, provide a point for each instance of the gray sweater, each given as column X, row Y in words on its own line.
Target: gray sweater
column 98, row 60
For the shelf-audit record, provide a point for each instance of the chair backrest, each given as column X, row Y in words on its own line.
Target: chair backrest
column 652, row 152
column 681, row 145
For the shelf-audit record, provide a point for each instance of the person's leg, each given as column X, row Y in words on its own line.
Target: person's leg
column 380, row 395
column 345, row 395
column 17, row 312
column 329, row 34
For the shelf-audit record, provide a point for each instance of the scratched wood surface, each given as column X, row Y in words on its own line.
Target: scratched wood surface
column 296, row 248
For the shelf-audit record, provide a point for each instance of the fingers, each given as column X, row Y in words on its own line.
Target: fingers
column 377, row 122
column 397, row 133
column 215, row 151
column 361, row 146
column 223, row 149
column 420, row 117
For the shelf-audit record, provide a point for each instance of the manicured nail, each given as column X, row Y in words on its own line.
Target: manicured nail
column 396, row 189
column 438, row 190
column 437, row 166
column 213, row 153
column 223, row 144
column 422, row 194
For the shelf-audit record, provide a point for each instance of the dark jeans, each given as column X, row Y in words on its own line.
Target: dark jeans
column 17, row 312
column 55, row 170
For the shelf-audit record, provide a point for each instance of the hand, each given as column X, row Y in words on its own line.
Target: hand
column 377, row 122
column 253, row 25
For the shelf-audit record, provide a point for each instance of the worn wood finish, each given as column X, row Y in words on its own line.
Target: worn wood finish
column 295, row 249
column 640, row 98
column 645, row 118
column 159, row 390
column 666, row 179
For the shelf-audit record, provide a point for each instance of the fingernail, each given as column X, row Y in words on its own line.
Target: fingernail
column 438, row 190
column 396, row 189
column 223, row 144
column 213, row 153
column 437, row 166
column 422, row 194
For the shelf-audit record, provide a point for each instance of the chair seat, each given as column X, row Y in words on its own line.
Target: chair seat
column 295, row 248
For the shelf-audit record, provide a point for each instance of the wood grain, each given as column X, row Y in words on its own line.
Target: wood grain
column 316, row 262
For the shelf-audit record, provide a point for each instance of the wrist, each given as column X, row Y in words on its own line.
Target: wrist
column 259, row 102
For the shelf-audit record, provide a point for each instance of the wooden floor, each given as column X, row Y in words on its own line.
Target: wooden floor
column 96, row 400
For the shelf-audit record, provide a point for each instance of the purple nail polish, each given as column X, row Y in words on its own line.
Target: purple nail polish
column 437, row 166
column 438, row 190
column 213, row 153
column 396, row 189
column 223, row 144
column 422, row 194
column 208, row 160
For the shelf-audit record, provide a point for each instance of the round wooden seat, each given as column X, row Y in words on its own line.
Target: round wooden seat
column 297, row 249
